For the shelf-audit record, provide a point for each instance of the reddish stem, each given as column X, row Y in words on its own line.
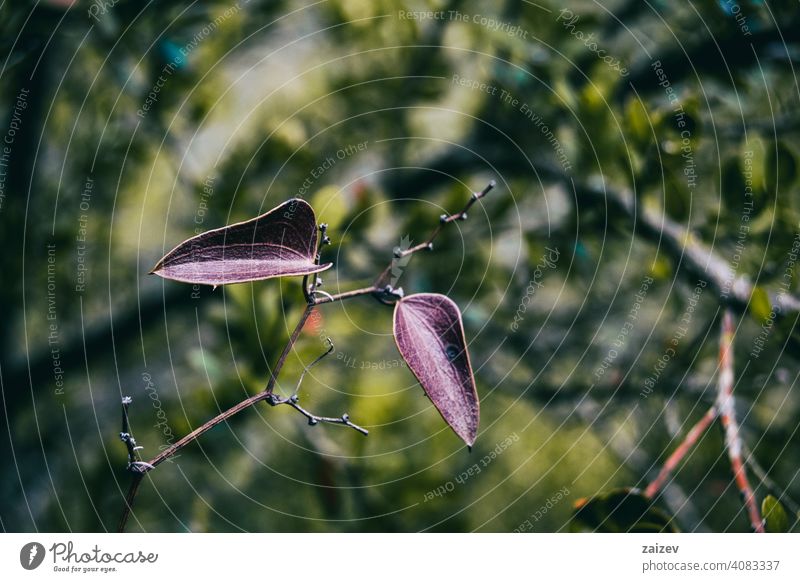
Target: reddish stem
column 725, row 410
column 679, row 453
column 726, row 406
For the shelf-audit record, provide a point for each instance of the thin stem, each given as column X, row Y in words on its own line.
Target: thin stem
column 444, row 219
column 307, row 289
column 322, row 240
column 205, row 427
column 680, row 452
column 314, row 419
column 134, row 462
column 132, row 491
column 383, row 293
column 273, row 377
column 379, row 289
column 314, row 363
column 725, row 404
column 347, row 295
column 177, row 446
column 139, row 468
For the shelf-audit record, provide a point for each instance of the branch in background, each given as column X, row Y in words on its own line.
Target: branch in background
column 98, row 337
column 688, row 252
column 686, row 248
column 680, row 452
column 690, row 255
column 725, row 404
column 708, row 55
column 724, row 409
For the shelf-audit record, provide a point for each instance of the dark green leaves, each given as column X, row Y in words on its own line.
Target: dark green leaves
column 280, row 243
column 620, row 510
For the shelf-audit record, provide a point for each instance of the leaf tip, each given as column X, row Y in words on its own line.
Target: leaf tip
column 157, row 269
column 470, row 438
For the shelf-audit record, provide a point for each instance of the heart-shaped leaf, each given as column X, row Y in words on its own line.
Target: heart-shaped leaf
column 280, row 243
column 430, row 336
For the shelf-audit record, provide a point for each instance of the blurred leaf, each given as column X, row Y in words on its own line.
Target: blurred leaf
column 620, row 510
column 760, row 305
column 733, row 188
column 430, row 336
column 638, row 120
column 661, row 267
column 677, row 199
column 754, row 164
column 207, row 364
column 781, row 168
column 331, row 206
column 280, row 243
column 774, row 515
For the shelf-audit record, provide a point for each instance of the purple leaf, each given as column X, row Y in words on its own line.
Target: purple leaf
column 430, row 337
column 280, row 243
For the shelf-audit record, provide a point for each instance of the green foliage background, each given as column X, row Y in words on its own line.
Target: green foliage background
column 273, row 89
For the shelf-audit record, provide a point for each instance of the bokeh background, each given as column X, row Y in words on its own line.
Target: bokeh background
column 638, row 148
